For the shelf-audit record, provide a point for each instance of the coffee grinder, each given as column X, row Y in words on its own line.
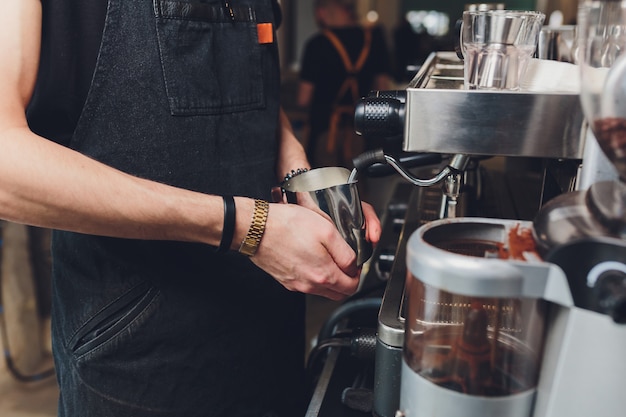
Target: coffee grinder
column 477, row 311
column 493, row 329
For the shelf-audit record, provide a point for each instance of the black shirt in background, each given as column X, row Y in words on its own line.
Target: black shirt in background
column 322, row 66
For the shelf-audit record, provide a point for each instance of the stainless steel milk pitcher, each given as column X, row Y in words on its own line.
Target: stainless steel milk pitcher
column 330, row 192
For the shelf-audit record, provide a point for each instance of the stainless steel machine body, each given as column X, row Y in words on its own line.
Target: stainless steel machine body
column 441, row 116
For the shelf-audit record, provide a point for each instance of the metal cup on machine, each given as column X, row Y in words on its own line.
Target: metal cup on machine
column 557, row 43
column 331, row 192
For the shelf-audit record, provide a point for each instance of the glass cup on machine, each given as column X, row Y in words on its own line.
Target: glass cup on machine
column 497, row 46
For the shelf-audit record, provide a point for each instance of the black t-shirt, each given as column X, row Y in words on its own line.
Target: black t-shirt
column 71, row 37
column 322, row 66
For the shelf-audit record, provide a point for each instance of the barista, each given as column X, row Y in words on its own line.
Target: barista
column 126, row 127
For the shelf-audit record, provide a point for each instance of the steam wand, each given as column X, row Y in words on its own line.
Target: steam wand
column 450, row 175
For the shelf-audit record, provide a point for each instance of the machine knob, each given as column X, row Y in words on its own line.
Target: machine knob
column 397, row 210
column 386, row 257
column 398, row 224
column 610, row 292
column 379, row 117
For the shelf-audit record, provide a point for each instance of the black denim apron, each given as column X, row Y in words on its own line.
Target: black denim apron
column 186, row 94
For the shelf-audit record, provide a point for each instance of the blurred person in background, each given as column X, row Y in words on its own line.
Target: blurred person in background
column 341, row 63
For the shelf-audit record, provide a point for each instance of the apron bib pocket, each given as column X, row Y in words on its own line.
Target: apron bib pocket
column 194, row 39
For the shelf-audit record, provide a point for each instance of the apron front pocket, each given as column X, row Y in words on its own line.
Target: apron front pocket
column 114, row 319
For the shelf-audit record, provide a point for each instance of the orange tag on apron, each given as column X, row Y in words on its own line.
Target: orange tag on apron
column 265, row 32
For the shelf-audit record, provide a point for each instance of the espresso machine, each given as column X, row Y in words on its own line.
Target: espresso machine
column 436, row 114
column 504, row 317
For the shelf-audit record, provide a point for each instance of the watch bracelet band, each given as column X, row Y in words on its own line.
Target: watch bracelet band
column 251, row 242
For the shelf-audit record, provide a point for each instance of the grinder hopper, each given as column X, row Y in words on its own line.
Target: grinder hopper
column 477, row 308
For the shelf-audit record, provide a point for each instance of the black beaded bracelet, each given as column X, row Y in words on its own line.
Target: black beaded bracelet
column 229, row 224
column 294, row 172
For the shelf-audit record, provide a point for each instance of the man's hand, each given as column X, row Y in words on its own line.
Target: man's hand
column 304, row 251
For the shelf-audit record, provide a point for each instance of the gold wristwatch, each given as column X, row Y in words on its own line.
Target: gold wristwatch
column 252, row 240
